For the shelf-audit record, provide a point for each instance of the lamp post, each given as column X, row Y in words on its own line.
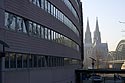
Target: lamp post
column 93, row 62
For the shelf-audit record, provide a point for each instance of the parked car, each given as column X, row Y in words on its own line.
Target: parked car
column 96, row 78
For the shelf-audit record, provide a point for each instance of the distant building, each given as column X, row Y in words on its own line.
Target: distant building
column 87, row 47
column 97, row 50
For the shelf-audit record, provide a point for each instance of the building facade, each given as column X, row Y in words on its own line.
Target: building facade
column 44, row 39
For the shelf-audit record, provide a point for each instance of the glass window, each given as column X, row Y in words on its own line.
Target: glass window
column 35, row 60
column 38, row 31
column 49, row 34
column 7, row 61
column 25, row 61
column 30, row 61
column 24, row 26
column 12, row 60
column 56, row 37
column 48, row 7
column 30, row 28
column 57, row 13
column 55, row 61
column 43, row 61
column 52, row 62
column 19, row 60
column 6, row 19
column 46, row 33
column 62, row 19
column 39, row 58
column 63, row 40
column 42, row 4
column 42, row 32
column 50, row 58
column 52, row 13
column 52, row 34
column 38, row 3
column 46, row 61
column 59, row 38
column 60, row 60
column 18, row 24
column 65, row 21
column 34, row 29
column 12, row 21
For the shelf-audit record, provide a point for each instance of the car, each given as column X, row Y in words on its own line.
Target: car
column 96, row 78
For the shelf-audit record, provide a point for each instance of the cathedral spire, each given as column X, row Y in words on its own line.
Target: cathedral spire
column 97, row 25
column 97, row 38
column 87, row 28
column 88, row 38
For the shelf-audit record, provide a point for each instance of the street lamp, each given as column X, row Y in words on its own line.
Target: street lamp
column 93, row 62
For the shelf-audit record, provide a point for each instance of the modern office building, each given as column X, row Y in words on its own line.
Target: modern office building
column 40, row 40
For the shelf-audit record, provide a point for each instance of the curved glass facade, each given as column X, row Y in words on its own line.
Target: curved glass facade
column 21, row 60
column 44, row 39
column 19, row 24
column 54, row 11
column 71, row 8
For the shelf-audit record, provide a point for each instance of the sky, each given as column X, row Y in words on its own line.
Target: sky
column 109, row 13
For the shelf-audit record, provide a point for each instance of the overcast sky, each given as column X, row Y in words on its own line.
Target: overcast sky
column 109, row 13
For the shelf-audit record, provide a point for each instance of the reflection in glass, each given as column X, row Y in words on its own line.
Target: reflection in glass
column 25, row 60
column 19, row 60
column 12, row 60
column 7, row 60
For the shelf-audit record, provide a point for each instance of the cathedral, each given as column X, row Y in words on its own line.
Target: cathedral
column 96, row 49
